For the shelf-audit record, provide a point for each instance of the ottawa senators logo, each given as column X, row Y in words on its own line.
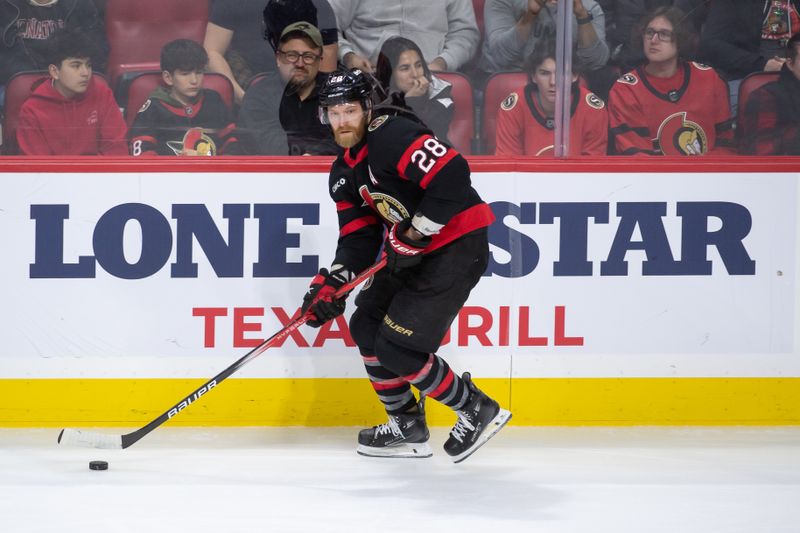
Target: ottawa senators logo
column 509, row 102
column 377, row 123
column 679, row 136
column 628, row 79
column 595, row 101
column 389, row 208
column 145, row 106
column 194, row 139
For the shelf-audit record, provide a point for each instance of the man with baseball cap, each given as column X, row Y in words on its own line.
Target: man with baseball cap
column 279, row 114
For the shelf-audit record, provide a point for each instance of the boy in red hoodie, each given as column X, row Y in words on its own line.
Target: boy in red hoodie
column 72, row 113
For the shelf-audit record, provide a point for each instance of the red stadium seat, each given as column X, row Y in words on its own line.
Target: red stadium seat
column 143, row 84
column 137, row 30
column 748, row 86
column 18, row 88
column 498, row 87
column 462, row 128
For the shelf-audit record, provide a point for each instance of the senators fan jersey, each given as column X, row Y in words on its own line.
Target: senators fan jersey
column 686, row 114
column 523, row 127
column 400, row 170
column 162, row 123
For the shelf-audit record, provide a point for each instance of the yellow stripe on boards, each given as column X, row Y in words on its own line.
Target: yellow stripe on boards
column 352, row 402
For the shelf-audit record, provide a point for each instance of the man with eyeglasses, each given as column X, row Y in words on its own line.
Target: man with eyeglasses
column 279, row 113
column 669, row 105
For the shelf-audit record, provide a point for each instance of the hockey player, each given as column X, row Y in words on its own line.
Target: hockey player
column 182, row 110
column 525, row 124
column 395, row 174
column 669, row 106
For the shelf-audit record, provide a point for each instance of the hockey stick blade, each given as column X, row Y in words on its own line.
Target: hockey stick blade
column 91, row 439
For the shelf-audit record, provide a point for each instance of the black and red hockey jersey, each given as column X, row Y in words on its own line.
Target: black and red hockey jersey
column 523, row 127
column 162, row 122
column 686, row 114
column 400, row 170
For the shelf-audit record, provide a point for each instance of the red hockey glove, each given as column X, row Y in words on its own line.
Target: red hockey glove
column 320, row 301
column 402, row 251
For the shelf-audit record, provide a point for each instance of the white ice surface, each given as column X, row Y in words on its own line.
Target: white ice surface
column 596, row 480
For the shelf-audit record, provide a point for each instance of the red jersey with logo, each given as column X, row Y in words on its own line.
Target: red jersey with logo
column 524, row 128
column 400, row 170
column 685, row 114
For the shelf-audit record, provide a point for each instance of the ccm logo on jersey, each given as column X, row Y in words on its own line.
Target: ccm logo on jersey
column 338, row 184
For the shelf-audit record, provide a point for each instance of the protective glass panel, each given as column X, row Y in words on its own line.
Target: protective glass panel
column 562, row 78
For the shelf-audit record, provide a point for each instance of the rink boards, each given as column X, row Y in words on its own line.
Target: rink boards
column 612, row 297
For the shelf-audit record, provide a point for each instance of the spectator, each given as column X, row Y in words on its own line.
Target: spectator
column 235, row 29
column 514, row 28
column 771, row 124
column 625, row 52
column 746, row 36
column 73, row 113
column 402, row 68
column 445, row 31
column 28, row 25
column 668, row 105
column 181, row 109
column 280, row 113
column 525, row 124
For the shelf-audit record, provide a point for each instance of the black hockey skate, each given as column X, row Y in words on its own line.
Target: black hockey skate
column 478, row 421
column 404, row 435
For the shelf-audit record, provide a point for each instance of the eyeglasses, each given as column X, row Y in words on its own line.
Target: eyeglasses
column 665, row 36
column 292, row 57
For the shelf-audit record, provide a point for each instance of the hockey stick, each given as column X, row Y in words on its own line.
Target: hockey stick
column 91, row 439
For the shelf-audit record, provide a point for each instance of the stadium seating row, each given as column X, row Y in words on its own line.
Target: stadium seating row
column 138, row 30
column 462, row 130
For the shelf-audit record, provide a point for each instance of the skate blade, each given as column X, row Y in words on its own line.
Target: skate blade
column 500, row 419
column 407, row 450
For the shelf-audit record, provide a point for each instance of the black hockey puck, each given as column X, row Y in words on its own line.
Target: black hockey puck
column 98, row 465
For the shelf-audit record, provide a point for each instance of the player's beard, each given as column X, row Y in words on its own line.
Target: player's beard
column 352, row 137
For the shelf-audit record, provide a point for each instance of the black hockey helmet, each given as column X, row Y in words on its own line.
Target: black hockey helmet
column 345, row 86
column 280, row 13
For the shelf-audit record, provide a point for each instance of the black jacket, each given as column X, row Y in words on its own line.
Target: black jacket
column 731, row 40
column 26, row 29
column 273, row 121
